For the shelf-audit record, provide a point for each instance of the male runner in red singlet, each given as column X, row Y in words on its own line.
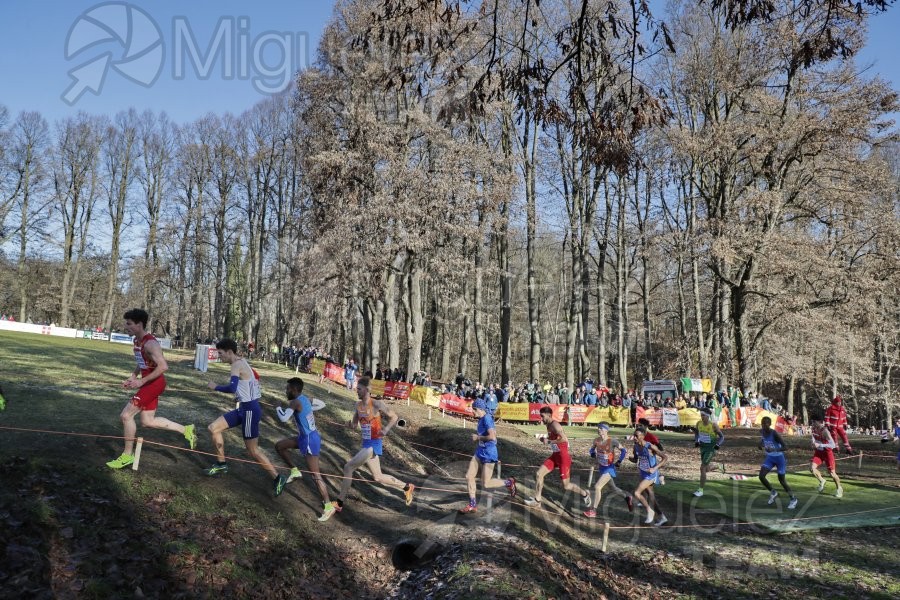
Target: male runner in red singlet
column 560, row 458
column 150, row 366
column 367, row 415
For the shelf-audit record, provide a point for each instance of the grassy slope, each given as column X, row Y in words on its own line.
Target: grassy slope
column 72, row 528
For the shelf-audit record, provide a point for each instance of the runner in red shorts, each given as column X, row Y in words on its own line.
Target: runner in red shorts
column 150, row 385
column 560, row 459
column 824, row 446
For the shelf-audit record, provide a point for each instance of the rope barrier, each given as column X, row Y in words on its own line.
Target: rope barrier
column 436, row 489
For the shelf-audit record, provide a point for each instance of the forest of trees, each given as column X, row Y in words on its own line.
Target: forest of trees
column 528, row 190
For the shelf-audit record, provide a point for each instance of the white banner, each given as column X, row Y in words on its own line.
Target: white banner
column 670, row 417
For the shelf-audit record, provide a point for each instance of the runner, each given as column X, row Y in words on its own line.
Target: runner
column 703, row 439
column 893, row 437
column 836, row 421
column 650, row 437
column 307, row 440
column 604, row 451
column 774, row 447
column 367, row 417
column 824, row 447
column 484, row 459
column 152, row 383
column 560, row 458
column 244, row 385
column 645, row 454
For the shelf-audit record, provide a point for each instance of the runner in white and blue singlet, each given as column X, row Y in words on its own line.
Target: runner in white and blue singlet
column 895, row 436
column 774, row 447
column 307, row 441
column 649, row 459
column 244, row 384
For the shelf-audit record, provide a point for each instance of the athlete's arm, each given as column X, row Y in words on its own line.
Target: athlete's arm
column 491, row 435
column 664, row 458
column 388, row 412
column 154, row 350
column 720, row 437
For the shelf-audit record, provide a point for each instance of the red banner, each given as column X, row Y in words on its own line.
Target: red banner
column 455, row 404
column 398, row 389
column 334, row 373
column 652, row 415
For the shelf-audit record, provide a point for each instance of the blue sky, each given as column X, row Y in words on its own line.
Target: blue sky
column 35, row 72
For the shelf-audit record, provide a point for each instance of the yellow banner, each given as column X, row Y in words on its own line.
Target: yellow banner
column 618, row 415
column 764, row 413
column 376, row 387
column 689, row 416
column 317, row 366
column 425, row 395
column 512, row 411
column 707, row 385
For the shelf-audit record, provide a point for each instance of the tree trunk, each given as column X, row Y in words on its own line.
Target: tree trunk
column 534, row 313
column 415, row 321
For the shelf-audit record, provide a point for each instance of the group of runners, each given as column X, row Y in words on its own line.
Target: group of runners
column 647, row 452
column 149, row 381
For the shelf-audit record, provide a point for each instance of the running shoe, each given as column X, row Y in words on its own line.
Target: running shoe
column 772, row 495
column 793, row 503
column 629, row 501
column 590, row 513
column 512, row 487
column 216, row 469
column 338, row 505
column 330, row 509
column 821, row 486
column 532, row 501
column 121, row 462
column 662, row 480
column 586, row 499
column 468, row 509
column 650, row 515
column 295, row 474
column 839, row 493
column 408, row 493
column 278, row 484
column 191, row 436
column 661, row 521
column 699, row 493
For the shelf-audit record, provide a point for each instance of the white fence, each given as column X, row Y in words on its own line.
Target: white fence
column 119, row 338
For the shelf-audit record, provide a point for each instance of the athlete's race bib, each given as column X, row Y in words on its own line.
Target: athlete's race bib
column 139, row 357
column 366, row 431
column 704, row 438
column 605, row 459
column 554, row 448
column 311, row 420
column 644, row 463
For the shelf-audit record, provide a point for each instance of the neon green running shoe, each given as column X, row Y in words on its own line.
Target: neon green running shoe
column 295, row 474
column 328, row 512
column 121, row 462
column 278, row 484
column 216, row 469
column 190, row 436
column 2, row 402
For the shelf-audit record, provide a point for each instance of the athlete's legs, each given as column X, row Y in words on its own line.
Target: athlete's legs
column 604, row 479
column 374, row 465
column 785, row 485
column 149, row 419
column 313, row 464
column 471, row 474
column 763, row 478
column 215, row 429
column 539, row 481
column 129, row 429
column 260, row 456
column 352, row 465
column 284, row 447
column 644, row 485
column 487, row 478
